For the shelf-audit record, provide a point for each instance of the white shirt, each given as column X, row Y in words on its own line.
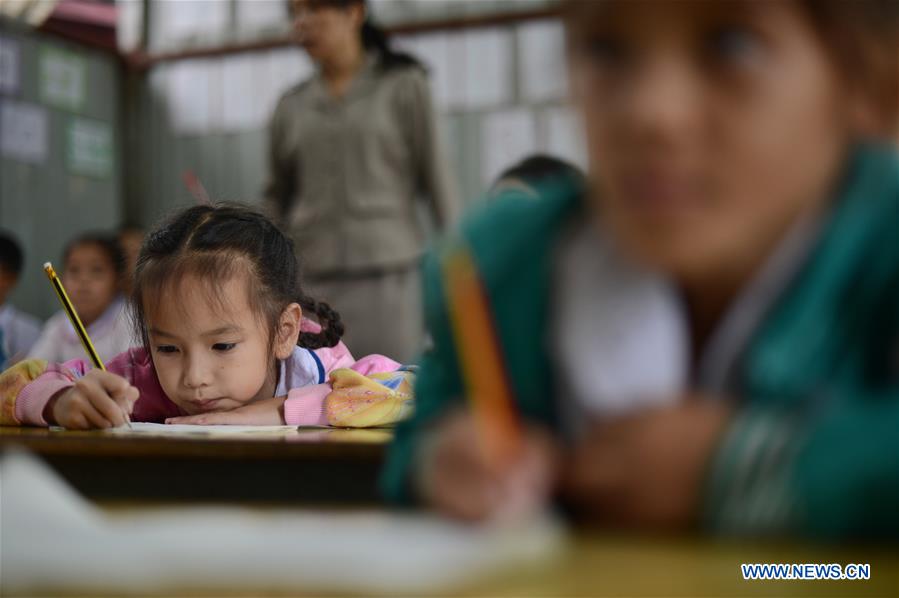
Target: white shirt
column 620, row 339
column 20, row 332
column 110, row 334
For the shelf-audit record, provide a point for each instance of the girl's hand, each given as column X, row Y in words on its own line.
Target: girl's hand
column 99, row 399
column 267, row 412
column 645, row 470
column 455, row 478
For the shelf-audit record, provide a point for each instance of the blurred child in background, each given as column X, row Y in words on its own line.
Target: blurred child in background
column 738, row 162
column 20, row 331
column 93, row 268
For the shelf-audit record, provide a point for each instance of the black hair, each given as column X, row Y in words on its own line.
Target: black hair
column 538, row 168
column 11, row 257
column 107, row 243
column 375, row 39
column 215, row 242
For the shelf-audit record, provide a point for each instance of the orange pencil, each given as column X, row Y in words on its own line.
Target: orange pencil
column 483, row 370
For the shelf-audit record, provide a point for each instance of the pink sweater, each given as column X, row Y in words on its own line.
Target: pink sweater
column 304, row 378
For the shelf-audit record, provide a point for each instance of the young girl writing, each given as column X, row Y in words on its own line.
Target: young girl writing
column 219, row 308
column 735, row 162
column 93, row 273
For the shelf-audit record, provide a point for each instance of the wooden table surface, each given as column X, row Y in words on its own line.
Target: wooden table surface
column 599, row 564
column 312, row 466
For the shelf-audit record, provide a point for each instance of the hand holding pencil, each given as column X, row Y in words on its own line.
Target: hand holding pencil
column 99, row 399
column 456, row 477
column 485, row 462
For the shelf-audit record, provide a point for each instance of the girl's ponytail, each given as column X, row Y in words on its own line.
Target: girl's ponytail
column 332, row 326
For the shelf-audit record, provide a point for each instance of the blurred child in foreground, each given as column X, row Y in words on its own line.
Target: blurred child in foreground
column 707, row 334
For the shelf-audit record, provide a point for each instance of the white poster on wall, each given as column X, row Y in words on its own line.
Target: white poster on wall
column 9, row 66
column 23, row 132
column 508, row 137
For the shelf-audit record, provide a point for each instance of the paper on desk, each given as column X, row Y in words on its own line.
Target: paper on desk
column 189, row 430
column 148, row 429
column 52, row 539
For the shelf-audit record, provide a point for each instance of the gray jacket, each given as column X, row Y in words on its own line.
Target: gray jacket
column 345, row 173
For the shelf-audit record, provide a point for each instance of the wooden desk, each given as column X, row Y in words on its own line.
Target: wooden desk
column 314, row 466
column 600, row 564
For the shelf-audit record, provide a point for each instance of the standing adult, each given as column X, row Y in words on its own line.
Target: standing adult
column 352, row 150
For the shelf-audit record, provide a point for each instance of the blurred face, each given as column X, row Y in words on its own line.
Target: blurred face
column 90, row 280
column 210, row 355
column 326, row 31
column 711, row 126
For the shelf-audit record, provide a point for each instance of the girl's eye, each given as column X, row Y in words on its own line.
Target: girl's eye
column 733, row 44
column 166, row 349
column 223, row 347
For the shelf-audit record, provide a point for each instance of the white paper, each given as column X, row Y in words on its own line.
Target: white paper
column 9, row 66
column 541, row 67
column 565, row 136
column 508, row 137
column 23, row 132
column 149, row 429
column 480, row 69
column 55, row 540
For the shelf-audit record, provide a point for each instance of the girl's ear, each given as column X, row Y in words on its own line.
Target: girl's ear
column 288, row 332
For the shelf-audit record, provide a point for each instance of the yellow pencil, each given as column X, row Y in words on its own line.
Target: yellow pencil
column 76, row 322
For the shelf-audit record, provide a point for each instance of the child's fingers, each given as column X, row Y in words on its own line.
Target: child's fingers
column 94, row 418
column 126, row 398
column 75, row 421
column 457, row 478
column 94, row 401
column 113, row 384
column 109, row 408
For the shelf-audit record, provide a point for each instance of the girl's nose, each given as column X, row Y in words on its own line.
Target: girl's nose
column 195, row 373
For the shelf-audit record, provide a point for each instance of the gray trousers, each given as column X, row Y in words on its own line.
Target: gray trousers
column 381, row 311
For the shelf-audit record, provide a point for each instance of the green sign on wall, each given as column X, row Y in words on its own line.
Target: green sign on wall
column 90, row 150
column 63, row 79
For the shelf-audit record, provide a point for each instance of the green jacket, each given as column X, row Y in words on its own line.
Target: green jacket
column 814, row 447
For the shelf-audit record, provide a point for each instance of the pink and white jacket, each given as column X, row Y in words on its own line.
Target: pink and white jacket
column 324, row 386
